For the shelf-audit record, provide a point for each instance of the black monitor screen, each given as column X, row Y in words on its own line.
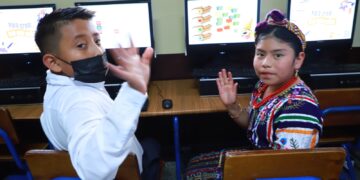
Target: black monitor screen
column 18, row 25
column 328, row 26
column 324, row 19
column 19, row 55
column 215, row 28
column 118, row 21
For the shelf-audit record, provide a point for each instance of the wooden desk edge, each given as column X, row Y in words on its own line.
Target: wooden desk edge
column 185, row 89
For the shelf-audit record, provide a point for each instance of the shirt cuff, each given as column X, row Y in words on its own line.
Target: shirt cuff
column 131, row 95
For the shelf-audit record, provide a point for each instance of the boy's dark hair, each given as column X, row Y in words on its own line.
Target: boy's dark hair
column 48, row 34
column 281, row 33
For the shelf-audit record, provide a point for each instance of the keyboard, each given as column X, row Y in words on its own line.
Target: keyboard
column 213, row 72
column 22, row 83
column 249, row 71
column 330, row 68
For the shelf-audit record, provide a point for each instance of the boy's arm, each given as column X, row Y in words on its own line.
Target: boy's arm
column 99, row 144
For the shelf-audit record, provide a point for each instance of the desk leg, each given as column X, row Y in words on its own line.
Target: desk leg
column 177, row 147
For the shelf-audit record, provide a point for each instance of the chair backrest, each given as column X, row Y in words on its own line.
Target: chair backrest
column 8, row 139
column 325, row 163
column 6, row 124
column 49, row 164
column 339, row 97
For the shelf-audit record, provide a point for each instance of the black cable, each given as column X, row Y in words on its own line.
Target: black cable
column 159, row 90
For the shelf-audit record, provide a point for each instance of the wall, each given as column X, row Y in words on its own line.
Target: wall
column 168, row 19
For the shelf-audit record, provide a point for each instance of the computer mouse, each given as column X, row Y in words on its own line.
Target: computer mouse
column 167, row 103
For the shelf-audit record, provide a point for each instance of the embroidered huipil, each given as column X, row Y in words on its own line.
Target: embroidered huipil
column 290, row 120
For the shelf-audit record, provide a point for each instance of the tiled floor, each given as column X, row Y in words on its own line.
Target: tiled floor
column 169, row 172
column 356, row 158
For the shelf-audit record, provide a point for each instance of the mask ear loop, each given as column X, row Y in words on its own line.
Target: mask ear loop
column 62, row 60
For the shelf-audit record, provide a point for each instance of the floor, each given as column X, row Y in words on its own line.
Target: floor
column 169, row 172
column 356, row 158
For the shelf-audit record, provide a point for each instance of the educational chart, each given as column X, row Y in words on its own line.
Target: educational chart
column 17, row 29
column 117, row 23
column 225, row 21
column 324, row 19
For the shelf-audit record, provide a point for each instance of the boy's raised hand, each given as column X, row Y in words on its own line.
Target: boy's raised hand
column 132, row 67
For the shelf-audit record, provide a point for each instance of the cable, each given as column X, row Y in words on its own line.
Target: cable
column 159, row 90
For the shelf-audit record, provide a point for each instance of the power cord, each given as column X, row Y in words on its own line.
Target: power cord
column 158, row 90
column 166, row 103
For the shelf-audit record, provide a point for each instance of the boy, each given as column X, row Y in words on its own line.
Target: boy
column 79, row 116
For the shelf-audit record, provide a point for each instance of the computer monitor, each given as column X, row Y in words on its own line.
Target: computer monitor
column 118, row 21
column 19, row 54
column 218, row 28
column 328, row 26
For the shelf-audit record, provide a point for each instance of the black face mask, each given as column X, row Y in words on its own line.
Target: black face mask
column 89, row 70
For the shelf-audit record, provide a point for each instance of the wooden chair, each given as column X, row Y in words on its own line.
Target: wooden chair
column 341, row 113
column 347, row 143
column 10, row 147
column 50, row 164
column 329, row 98
column 339, row 97
column 325, row 163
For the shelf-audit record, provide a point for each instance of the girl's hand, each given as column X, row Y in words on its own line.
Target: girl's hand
column 227, row 88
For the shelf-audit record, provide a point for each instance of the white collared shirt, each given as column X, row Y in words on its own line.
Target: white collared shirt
column 97, row 131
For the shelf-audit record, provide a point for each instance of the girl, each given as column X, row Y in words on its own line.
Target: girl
column 283, row 113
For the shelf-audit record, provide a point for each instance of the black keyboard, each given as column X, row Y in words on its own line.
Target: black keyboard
column 22, row 83
column 351, row 67
column 213, row 72
column 249, row 71
column 330, row 68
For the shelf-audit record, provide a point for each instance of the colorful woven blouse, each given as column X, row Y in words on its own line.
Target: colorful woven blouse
column 290, row 120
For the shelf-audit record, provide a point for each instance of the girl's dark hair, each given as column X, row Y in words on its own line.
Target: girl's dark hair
column 48, row 34
column 280, row 33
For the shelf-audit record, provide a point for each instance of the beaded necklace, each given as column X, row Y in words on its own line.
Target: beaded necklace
column 256, row 105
